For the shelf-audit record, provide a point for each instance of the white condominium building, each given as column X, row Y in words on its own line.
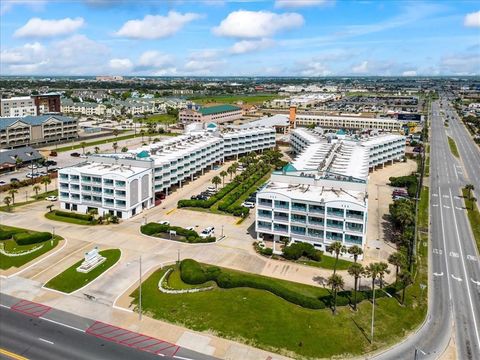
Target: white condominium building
column 18, row 107
column 218, row 114
column 348, row 122
column 167, row 163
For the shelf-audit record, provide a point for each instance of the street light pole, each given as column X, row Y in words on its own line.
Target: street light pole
column 373, row 314
column 140, row 292
column 222, row 230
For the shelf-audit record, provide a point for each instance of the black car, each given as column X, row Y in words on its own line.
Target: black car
column 75, row 154
column 50, row 163
column 14, row 180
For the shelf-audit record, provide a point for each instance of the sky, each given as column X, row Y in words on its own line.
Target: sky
column 239, row 37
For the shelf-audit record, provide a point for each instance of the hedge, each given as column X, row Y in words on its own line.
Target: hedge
column 86, row 217
column 191, row 236
column 410, row 182
column 297, row 250
column 6, row 235
column 31, row 238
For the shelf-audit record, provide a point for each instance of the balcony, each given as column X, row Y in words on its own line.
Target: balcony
column 280, row 229
column 299, row 219
column 299, row 207
column 335, row 212
column 334, row 225
column 281, row 205
column 316, row 209
column 264, row 225
column 280, row 218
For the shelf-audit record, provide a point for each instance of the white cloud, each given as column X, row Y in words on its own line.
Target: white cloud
column 316, row 69
column 156, row 26
column 257, row 24
column 409, row 73
column 36, row 27
column 472, row 19
column 300, row 3
column 35, row 5
column 245, row 46
column 361, row 68
column 26, row 54
column 154, row 60
column 121, row 65
column 460, row 64
column 205, row 61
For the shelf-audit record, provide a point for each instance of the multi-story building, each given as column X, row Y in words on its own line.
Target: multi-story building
column 18, row 107
column 47, row 103
column 321, row 197
column 218, row 114
column 32, row 130
column 168, row 163
column 349, row 122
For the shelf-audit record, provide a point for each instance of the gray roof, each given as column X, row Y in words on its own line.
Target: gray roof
column 31, row 120
column 26, row 153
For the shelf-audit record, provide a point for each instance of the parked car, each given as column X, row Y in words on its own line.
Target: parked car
column 2, row 182
column 32, row 175
column 248, row 204
column 162, row 196
column 164, row 222
column 50, row 163
column 53, row 153
column 207, row 232
column 397, row 197
column 190, row 228
column 251, row 200
column 53, row 169
column 12, row 180
column 51, row 198
column 75, row 154
column 211, row 188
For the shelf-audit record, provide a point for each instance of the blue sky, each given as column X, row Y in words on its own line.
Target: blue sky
column 282, row 37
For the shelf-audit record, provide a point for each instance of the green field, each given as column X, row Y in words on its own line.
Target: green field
column 453, row 147
column 11, row 246
column 257, row 99
column 473, row 216
column 34, row 199
column 71, row 280
column 158, row 119
column 262, row 319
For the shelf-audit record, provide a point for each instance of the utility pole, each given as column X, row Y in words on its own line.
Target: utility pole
column 373, row 314
column 140, row 292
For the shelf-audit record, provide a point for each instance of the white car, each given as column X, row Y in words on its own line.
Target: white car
column 207, row 232
column 248, row 204
column 2, row 182
column 190, row 228
column 51, row 198
column 32, row 175
column 211, row 189
column 164, row 222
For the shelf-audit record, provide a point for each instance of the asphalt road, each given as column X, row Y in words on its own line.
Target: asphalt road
column 454, row 264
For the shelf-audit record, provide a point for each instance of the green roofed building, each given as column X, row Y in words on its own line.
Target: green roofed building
column 218, row 114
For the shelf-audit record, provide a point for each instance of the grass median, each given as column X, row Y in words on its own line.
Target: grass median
column 473, row 216
column 453, row 147
column 52, row 215
column 36, row 198
column 11, row 247
column 71, row 280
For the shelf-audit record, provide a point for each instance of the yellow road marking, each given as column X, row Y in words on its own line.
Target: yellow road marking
column 12, row 355
column 171, row 211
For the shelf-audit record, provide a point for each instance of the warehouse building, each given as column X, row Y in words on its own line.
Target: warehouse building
column 219, row 114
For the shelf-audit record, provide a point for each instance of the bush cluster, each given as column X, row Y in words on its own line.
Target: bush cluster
column 205, row 204
column 24, row 238
column 297, row 250
column 86, row 217
column 193, row 273
column 410, row 182
column 6, row 234
column 190, row 236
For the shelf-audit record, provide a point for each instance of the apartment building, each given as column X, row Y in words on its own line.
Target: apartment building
column 47, row 103
column 348, row 122
column 218, row 114
column 321, row 197
column 32, row 130
column 89, row 109
column 168, row 163
column 18, row 107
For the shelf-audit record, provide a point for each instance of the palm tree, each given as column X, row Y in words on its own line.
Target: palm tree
column 83, row 144
column 223, row 174
column 398, row 260
column 18, row 161
column 142, row 133
column 336, row 282
column 46, row 181
column 36, row 188
column 115, row 133
column 383, row 269
column 470, row 188
column 49, row 207
column 231, row 171
column 96, row 149
column 7, row 200
column 115, row 147
column 356, row 251
column 12, row 193
column 336, row 248
column 372, row 271
column 356, row 270
column 216, row 181
column 406, row 279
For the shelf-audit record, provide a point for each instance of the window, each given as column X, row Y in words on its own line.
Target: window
column 281, row 204
column 299, row 206
column 299, row 218
column 120, row 183
column 298, row 230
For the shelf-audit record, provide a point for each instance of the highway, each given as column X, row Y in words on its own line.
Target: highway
column 454, row 268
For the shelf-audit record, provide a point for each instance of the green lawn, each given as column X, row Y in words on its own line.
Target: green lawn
column 159, row 119
column 423, row 209
column 327, row 262
column 264, row 320
column 257, row 99
column 427, row 166
column 174, row 281
column 453, row 147
column 54, row 217
column 10, row 245
column 34, row 199
column 71, row 280
column 473, row 216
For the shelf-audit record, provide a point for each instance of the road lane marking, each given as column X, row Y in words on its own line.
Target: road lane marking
column 457, row 278
column 454, row 254
column 437, row 251
column 47, row 341
column 434, row 205
column 458, row 208
column 434, row 194
column 445, row 254
column 446, row 207
column 12, row 355
column 436, row 274
column 61, row 324
column 475, row 282
column 471, row 257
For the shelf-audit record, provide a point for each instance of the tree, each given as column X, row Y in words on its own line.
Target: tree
column 336, row 248
column 372, row 271
column 115, row 133
column 398, row 260
column 470, row 188
column 223, row 174
column 12, row 193
column 356, row 270
column 46, row 181
column 405, row 278
column 356, row 251
column 336, row 282
column 83, row 144
column 216, row 181
column 96, row 149
column 115, row 147
column 231, row 171
column 50, row 207
column 142, row 133
column 18, row 162
column 7, row 201
column 124, row 149
column 36, row 188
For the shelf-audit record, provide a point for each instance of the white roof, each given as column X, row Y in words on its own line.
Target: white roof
column 332, row 117
column 268, row 121
column 102, row 169
column 381, row 139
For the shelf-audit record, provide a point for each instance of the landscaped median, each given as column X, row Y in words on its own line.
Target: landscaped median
column 473, row 215
column 20, row 246
column 277, row 315
column 175, row 233
column 453, row 147
column 80, row 219
column 71, row 280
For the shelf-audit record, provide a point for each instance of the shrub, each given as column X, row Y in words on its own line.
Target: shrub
column 193, row 273
column 410, row 182
column 266, row 251
column 31, row 238
column 6, row 235
column 297, row 250
column 153, row 228
column 190, row 236
column 86, row 217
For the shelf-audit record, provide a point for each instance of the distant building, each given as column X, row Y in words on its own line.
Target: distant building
column 8, row 157
column 109, row 78
column 218, row 114
column 28, row 130
column 47, row 103
column 18, row 107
